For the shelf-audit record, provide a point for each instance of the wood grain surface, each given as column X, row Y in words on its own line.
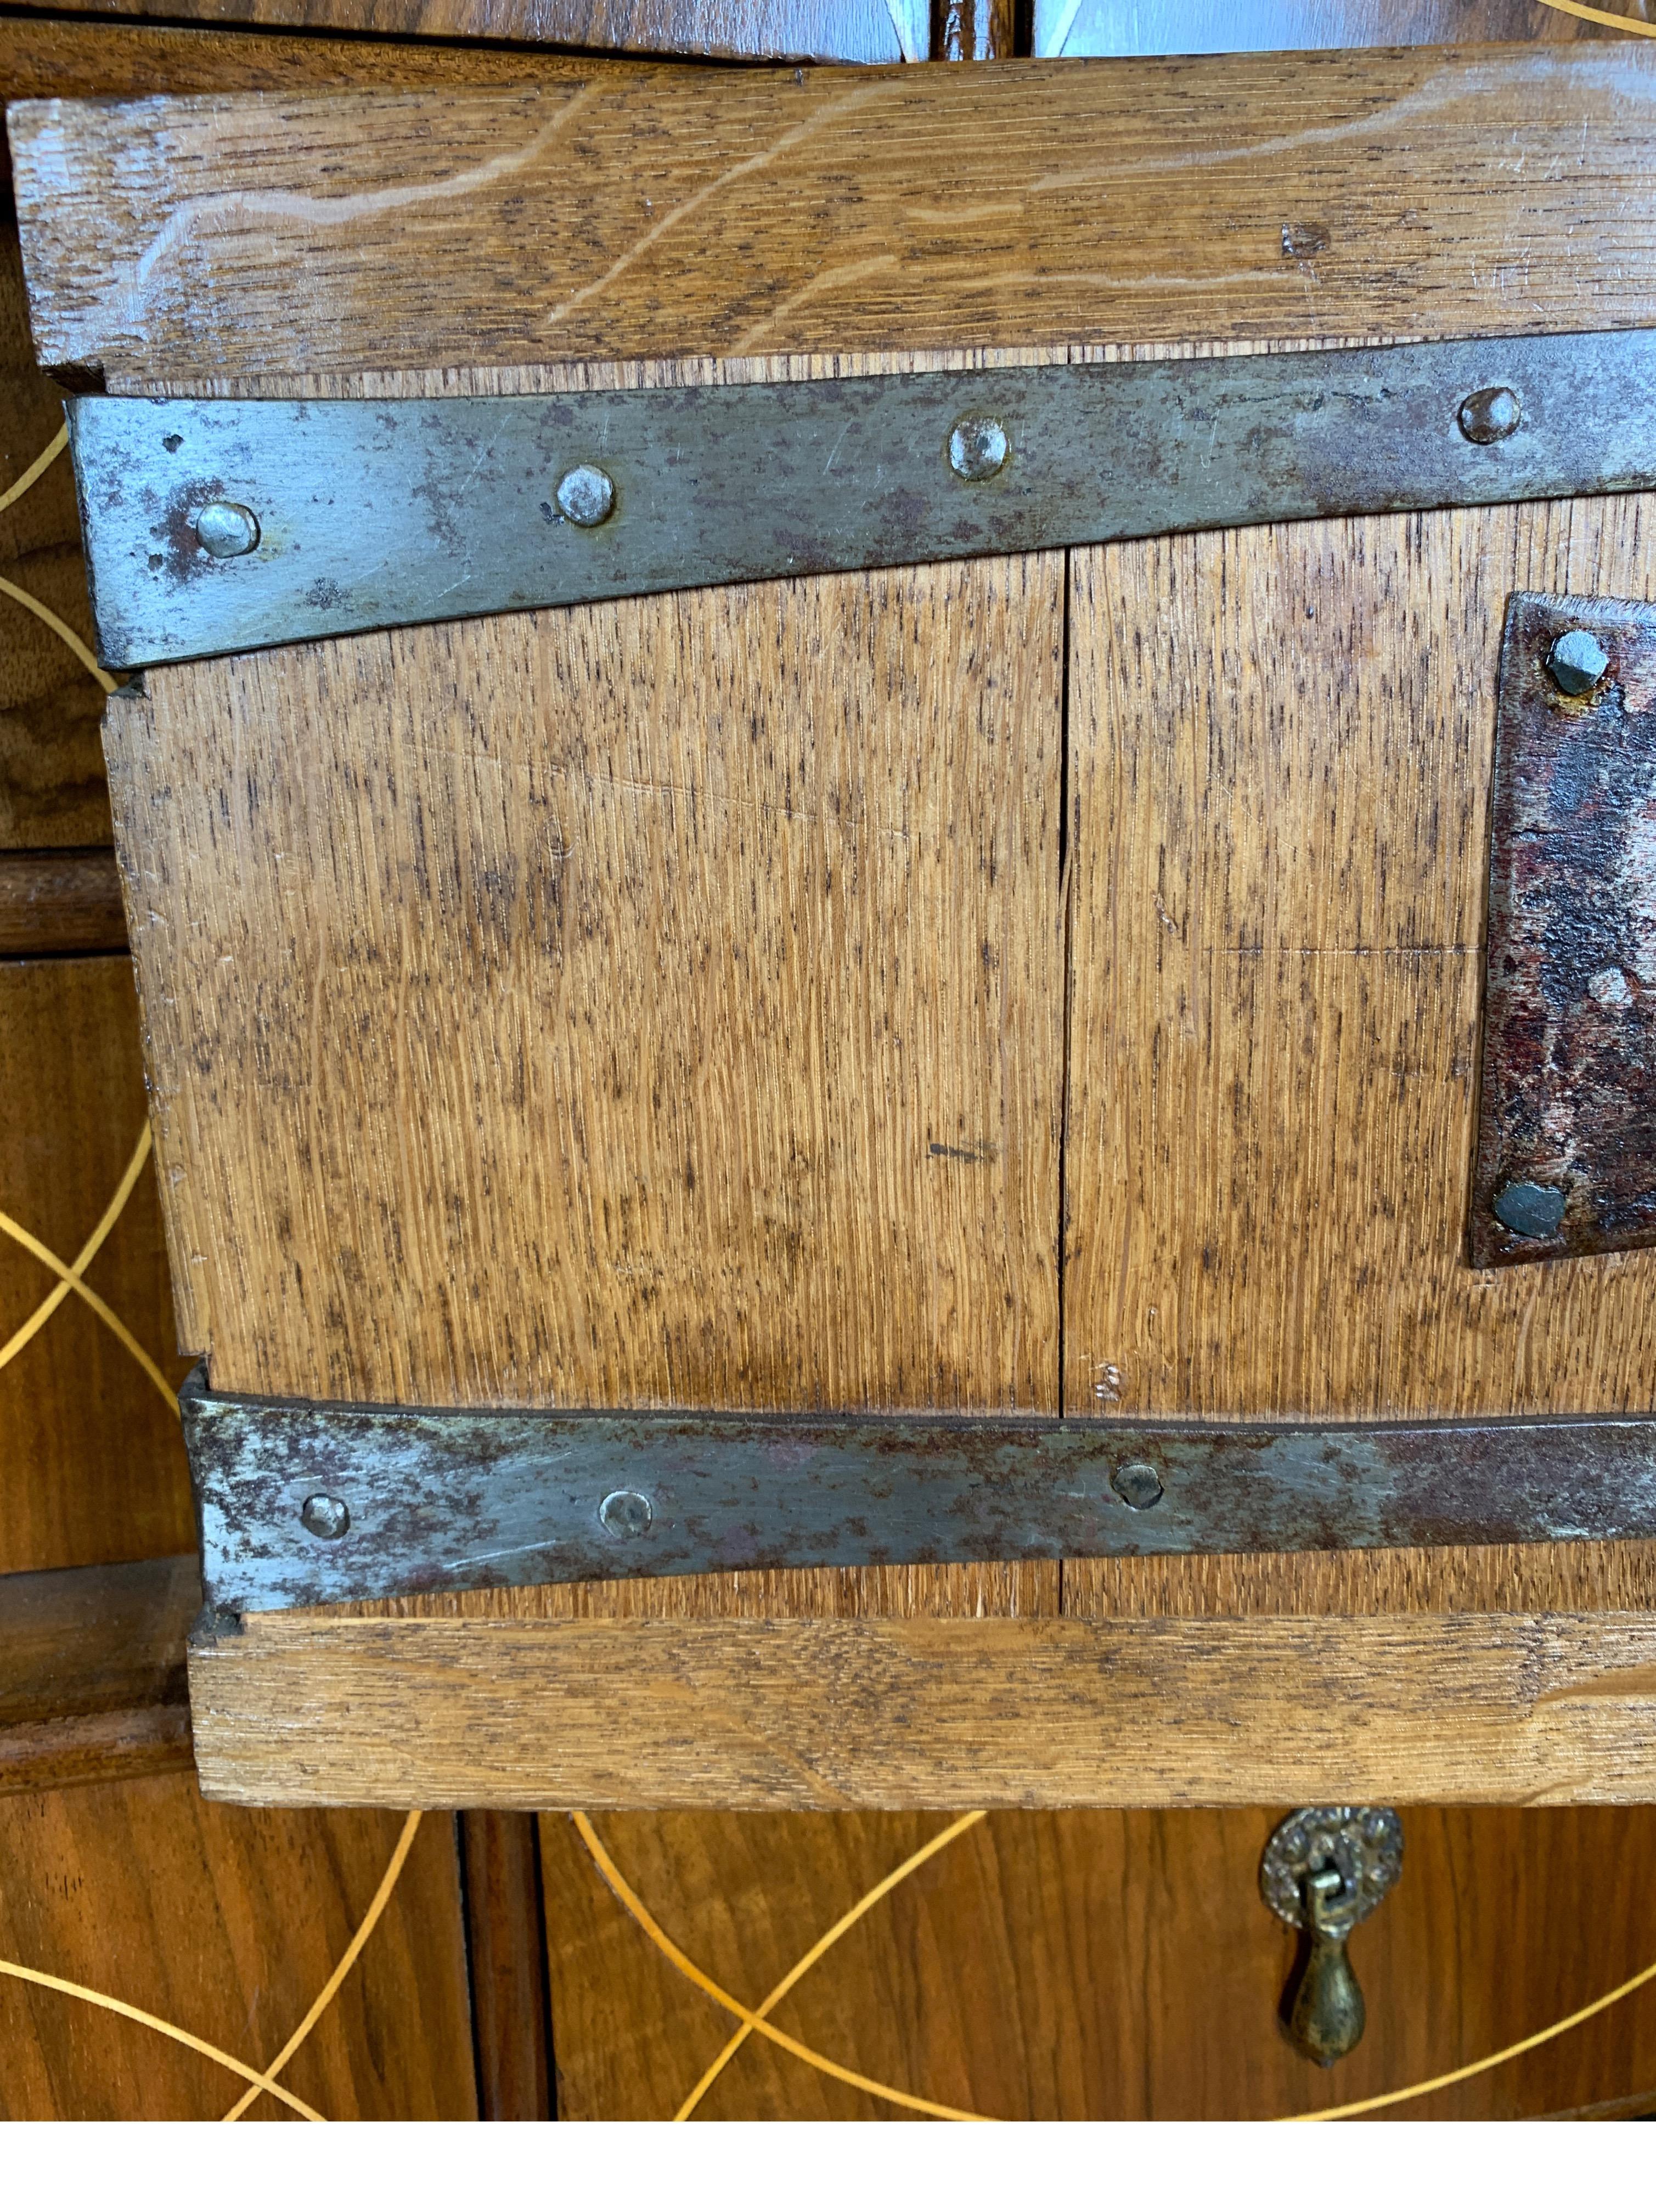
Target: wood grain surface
column 1334, row 197
column 92, row 1465
column 506, row 1945
column 651, row 1003
column 1282, row 742
column 52, row 779
column 228, row 1922
column 61, row 900
column 1094, row 1965
column 1422, row 1708
column 735, row 30
column 92, row 1677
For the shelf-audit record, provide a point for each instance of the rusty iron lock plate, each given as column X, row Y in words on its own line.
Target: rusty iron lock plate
column 1567, row 1139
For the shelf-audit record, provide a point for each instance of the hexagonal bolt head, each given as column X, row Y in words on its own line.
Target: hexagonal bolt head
column 586, row 496
column 978, row 448
column 1488, row 416
column 1576, row 662
column 225, row 530
column 325, row 1516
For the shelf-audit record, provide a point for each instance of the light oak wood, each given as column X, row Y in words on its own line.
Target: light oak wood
column 1094, row 1965
column 1282, row 745
column 228, row 1922
column 1433, row 1708
column 656, row 1002
column 1334, row 197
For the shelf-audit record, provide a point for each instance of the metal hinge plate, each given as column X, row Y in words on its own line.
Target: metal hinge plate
column 301, row 1503
column 213, row 527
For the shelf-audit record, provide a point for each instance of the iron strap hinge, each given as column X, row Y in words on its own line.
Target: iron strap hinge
column 215, row 526
column 301, row 1504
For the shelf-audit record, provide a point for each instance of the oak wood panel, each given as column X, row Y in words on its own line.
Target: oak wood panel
column 1019, row 204
column 1094, row 1965
column 1584, row 1577
column 228, row 1922
column 1282, row 745
column 1432, row 1708
column 766, row 30
column 1020, row 1589
column 651, row 1003
column 92, row 1673
column 92, row 1465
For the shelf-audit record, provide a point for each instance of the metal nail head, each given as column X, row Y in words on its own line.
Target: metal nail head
column 586, row 496
column 1490, row 415
column 1529, row 1209
column 225, row 530
column 978, row 448
column 1137, row 1485
column 626, row 1513
column 1576, row 662
column 325, row 1516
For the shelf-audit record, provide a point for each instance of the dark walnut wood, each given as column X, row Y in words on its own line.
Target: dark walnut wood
column 61, row 902
column 92, row 1673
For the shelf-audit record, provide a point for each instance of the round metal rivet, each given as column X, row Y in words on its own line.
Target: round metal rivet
column 586, row 496
column 325, row 1516
column 1529, row 1209
column 1490, row 415
column 225, row 530
column 626, row 1513
column 1576, row 661
column 977, row 447
column 1137, row 1485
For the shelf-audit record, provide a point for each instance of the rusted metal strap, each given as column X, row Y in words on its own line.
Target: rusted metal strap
column 1566, row 1142
column 301, row 1503
column 215, row 526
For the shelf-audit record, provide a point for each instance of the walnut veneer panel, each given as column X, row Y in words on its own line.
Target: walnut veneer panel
column 649, row 1003
column 1336, row 196
column 1282, row 741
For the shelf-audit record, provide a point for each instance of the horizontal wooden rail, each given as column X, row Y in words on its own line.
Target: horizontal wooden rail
column 67, row 901
column 92, row 1679
column 1443, row 1708
column 1345, row 198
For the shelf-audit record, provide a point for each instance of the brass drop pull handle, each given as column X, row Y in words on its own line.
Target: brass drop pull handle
column 1326, row 1868
column 1329, row 2015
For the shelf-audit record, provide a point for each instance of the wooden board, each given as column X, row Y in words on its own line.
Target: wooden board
column 1432, row 1708
column 1094, row 1965
column 52, row 782
column 228, row 1923
column 1334, row 197
column 649, row 1003
column 1282, row 745
column 92, row 1680
column 791, row 30
column 92, row 1465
